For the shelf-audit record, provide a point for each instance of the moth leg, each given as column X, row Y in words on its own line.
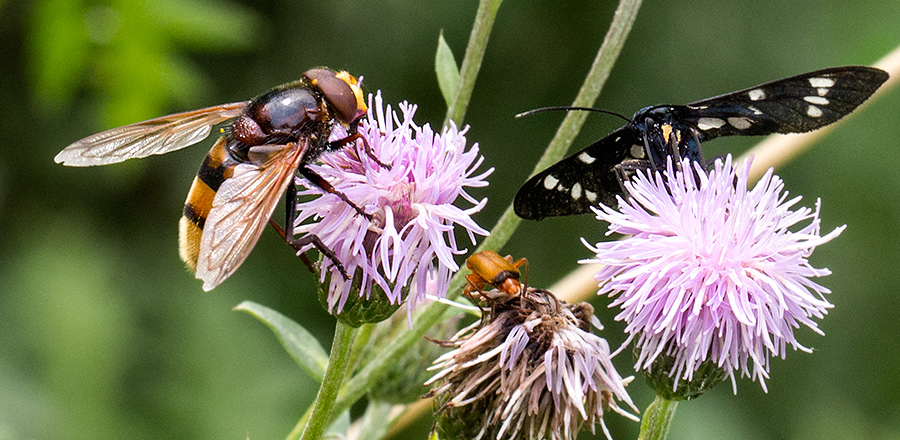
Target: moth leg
column 696, row 146
column 652, row 150
column 626, row 170
column 673, row 146
column 704, row 164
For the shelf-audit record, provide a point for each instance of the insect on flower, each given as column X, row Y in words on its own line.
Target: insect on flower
column 489, row 268
column 594, row 175
column 269, row 139
column 532, row 369
column 713, row 270
column 417, row 207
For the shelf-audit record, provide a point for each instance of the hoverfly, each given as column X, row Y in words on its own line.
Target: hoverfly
column 595, row 174
column 488, row 267
column 236, row 190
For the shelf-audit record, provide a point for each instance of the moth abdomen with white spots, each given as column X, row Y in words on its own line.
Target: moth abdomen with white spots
column 594, row 175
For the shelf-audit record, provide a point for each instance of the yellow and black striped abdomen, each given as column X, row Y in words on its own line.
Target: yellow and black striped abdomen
column 217, row 167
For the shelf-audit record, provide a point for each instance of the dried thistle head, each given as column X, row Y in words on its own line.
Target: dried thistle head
column 531, row 369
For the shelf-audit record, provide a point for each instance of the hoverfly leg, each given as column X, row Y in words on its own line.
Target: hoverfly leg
column 340, row 143
column 290, row 208
column 320, row 181
column 314, row 240
column 284, row 236
column 287, row 234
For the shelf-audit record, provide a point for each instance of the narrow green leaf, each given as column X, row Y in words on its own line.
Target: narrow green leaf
column 298, row 342
column 446, row 69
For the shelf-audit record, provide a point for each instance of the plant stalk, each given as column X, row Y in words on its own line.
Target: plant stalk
column 319, row 417
column 657, row 419
column 481, row 31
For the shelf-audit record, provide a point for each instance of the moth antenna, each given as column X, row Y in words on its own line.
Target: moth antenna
column 570, row 108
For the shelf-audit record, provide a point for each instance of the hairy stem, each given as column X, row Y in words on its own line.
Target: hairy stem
column 657, row 419
column 320, row 415
column 481, row 31
column 606, row 57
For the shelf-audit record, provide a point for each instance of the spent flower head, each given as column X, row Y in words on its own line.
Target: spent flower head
column 410, row 243
column 531, row 369
column 712, row 270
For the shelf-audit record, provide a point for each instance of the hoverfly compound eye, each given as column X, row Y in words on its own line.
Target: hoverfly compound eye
column 341, row 90
column 351, row 81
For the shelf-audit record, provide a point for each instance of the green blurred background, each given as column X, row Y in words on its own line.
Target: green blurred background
column 104, row 334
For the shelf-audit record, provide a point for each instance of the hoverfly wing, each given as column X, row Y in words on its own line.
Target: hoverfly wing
column 241, row 209
column 791, row 105
column 584, row 179
column 155, row 136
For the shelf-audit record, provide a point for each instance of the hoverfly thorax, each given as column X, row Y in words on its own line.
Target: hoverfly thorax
column 282, row 114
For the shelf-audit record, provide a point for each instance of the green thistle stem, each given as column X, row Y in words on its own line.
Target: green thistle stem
column 361, row 341
column 298, row 428
column 481, row 31
column 657, row 419
column 320, row 415
column 606, row 57
column 373, row 371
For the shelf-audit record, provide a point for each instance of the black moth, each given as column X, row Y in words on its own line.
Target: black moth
column 594, row 175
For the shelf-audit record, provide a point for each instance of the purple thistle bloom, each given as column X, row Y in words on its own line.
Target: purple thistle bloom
column 711, row 270
column 411, row 204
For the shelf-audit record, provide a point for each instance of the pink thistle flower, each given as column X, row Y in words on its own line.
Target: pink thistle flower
column 410, row 243
column 711, row 270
